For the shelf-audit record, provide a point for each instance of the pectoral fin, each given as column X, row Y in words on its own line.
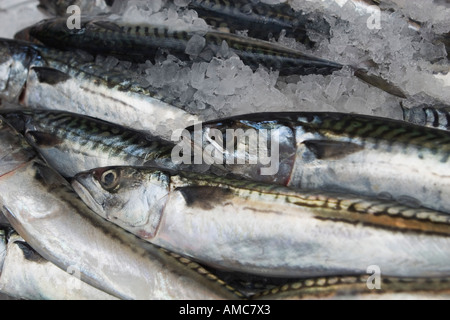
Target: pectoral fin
column 43, row 140
column 332, row 150
column 50, row 76
column 204, row 197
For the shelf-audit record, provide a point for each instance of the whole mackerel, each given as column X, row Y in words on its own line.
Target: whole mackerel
column 363, row 155
column 39, row 77
column 140, row 43
column 269, row 230
column 43, row 208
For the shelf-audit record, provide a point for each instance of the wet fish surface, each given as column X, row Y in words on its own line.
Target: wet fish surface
column 58, row 225
column 240, row 226
column 28, row 276
column 359, row 154
column 40, row 77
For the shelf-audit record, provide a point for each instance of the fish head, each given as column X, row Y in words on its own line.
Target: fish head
column 14, row 149
column 258, row 147
column 132, row 198
column 16, row 57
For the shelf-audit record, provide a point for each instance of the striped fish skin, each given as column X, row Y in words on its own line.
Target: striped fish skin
column 240, row 226
column 68, row 81
column 356, row 288
column 72, row 143
column 42, row 207
column 437, row 117
column 358, row 154
column 28, row 276
column 260, row 20
column 140, row 42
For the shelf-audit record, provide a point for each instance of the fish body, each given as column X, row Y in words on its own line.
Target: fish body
column 362, row 287
column 363, row 155
column 57, row 80
column 140, row 43
column 27, row 275
column 240, row 226
column 437, row 117
column 72, row 143
column 260, row 20
column 42, row 207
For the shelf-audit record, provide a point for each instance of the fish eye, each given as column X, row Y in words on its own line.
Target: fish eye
column 110, row 179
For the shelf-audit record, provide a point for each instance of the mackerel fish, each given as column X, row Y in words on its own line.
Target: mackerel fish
column 27, row 275
column 140, row 43
column 40, row 77
column 269, row 230
column 43, row 208
column 365, row 155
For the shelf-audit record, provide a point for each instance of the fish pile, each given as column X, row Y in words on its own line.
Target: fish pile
column 128, row 171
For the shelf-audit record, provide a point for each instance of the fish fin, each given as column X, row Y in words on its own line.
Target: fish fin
column 50, row 76
column 42, row 139
column 108, row 26
column 332, row 150
column 204, row 197
column 380, row 83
